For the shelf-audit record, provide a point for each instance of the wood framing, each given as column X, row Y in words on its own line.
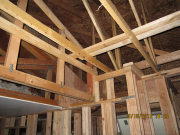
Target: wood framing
column 29, row 80
column 160, row 25
column 33, row 23
column 86, row 120
column 77, row 124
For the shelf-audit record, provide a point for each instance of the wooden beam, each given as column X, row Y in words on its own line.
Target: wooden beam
column 48, row 123
column 25, row 61
column 57, row 119
column 32, row 81
column 56, row 21
column 46, row 31
column 66, row 122
column 98, row 28
column 34, row 124
column 29, row 125
column 148, row 44
column 42, row 45
column 77, row 124
column 124, row 26
column 14, row 42
column 86, row 120
column 160, row 25
column 166, row 107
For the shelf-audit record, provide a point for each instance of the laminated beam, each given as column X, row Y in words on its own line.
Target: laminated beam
column 32, row 81
column 160, row 25
column 13, row 29
column 124, row 26
column 13, row 10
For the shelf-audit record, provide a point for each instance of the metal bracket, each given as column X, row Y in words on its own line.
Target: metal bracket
column 11, row 68
column 61, row 85
column 57, row 100
column 50, row 67
column 128, row 97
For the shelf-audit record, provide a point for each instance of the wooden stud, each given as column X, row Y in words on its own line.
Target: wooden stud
column 48, row 123
column 33, row 23
column 66, row 122
column 86, row 120
column 29, row 125
column 49, row 78
column 110, row 88
column 14, row 42
column 6, row 124
column 77, row 124
column 99, row 126
column 57, row 122
column 34, row 124
column 166, row 107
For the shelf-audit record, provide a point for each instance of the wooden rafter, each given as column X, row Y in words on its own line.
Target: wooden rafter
column 42, row 45
column 160, row 25
column 124, row 26
column 98, row 28
column 30, row 21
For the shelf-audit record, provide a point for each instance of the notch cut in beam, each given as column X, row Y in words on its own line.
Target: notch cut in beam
column 14, row 11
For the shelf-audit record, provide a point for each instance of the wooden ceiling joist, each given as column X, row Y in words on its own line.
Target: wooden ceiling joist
column 36, row 82
column 124, row 26
column 56, row 21
column 13, row 10
column 160, row 25
column 98, row 29
column 13, row 29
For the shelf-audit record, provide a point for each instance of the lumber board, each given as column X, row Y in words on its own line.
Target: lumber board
column 124, row 26
column 34, row 124
column 56, row 21
column 14, row 41
column 29, row 125
column 77, row 123
column 42, row 44
column 86, row 120
column 57, row 119
column 13, row 10
column 36, row 82
column 160, row 25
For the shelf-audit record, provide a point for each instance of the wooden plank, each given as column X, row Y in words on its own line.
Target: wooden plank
column 110, row 75
column 34, row 124
column 33, row 23
column 25, row 61
column 66, row 125
column 57, row 122
column 29, row 125
column 77, row 124
column 14, row 42
column 96, row 90
column 98, row 29
column 109, row 119
column 148, row 46
column 160, row 25
column 86, row 120
column 99, row 126
column 110, row 88
column 124, row 26
column 166, row 107
column 32, row 81
column 2, row 52
column 6, row 124
column 44, row 46
column 160, row 59
column 48, row 123
column 56, row 21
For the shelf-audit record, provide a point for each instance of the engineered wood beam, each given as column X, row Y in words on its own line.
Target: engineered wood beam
column 13, row 10
column 98, row 28
column 42, row 45
column 56, row 21
column 32, row 81
column 14, row 42
column 124, row 26
column 160, row 25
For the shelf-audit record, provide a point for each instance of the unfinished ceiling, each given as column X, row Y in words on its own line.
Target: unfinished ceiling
column 74, row 16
